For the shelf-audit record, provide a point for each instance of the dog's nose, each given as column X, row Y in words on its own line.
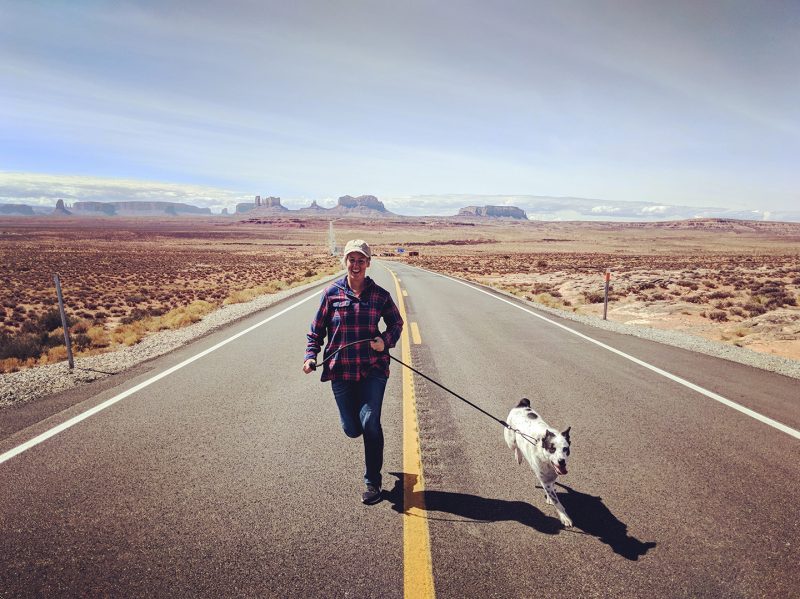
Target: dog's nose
column 562, row 464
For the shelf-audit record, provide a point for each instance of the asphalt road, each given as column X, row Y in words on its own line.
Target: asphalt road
column 231, row 477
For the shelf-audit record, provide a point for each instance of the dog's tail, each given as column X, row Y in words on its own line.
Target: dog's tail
column 524, row 403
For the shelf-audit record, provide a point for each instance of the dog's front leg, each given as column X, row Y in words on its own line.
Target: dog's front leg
column 552, row 498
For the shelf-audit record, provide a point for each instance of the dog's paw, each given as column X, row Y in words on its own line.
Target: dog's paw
column 548, row 500
column 565, row 520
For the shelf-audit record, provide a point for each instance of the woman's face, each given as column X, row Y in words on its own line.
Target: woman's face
column 357, row 264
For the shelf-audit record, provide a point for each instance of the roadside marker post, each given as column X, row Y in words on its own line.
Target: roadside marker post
column 605, row 295
column 64, row 322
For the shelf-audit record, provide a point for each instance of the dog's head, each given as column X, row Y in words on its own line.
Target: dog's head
column 556, row 448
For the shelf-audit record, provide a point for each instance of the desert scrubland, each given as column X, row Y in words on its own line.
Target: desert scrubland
column 124, row 279
column 732, row 281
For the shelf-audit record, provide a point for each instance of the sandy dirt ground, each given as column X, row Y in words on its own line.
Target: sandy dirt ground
column 731, row 281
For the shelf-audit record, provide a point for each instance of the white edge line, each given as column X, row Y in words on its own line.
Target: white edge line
column 110, row 402
column 723, row 400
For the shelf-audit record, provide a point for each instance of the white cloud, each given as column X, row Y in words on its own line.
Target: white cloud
column 655, row 209
column 604, row 210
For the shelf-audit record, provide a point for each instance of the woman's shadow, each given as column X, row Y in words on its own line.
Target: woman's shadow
column 588, row 513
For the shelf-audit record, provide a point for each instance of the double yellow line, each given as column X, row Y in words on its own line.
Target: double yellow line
column 417, row 565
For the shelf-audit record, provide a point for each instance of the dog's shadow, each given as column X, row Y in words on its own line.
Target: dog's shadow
column 469, row 508
column 588, row 513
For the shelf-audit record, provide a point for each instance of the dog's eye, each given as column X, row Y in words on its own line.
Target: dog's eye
column 552, row 450
column 566, row 450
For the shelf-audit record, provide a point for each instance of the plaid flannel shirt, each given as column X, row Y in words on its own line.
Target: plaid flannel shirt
column 345, row 318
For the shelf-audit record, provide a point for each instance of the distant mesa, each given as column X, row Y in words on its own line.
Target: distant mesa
column 16, row 210
column 137, row 209
column 363, row 205
column 493, row 212
column 261, row 206
column 61, row 209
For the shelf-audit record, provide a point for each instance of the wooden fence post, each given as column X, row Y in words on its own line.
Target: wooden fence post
column 64, row 322
column 605, row 296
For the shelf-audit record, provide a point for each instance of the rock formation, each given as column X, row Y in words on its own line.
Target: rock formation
column 61, row 210
column 314, row 209
column 138, row 209
column 16, row 210
column 362, row 205
column 493, row 212
column 267, row 206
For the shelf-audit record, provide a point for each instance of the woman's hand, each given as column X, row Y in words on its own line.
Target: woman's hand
column 309, row 365
column 377, row 344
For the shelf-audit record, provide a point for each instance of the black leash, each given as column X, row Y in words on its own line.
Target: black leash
column 438, row 384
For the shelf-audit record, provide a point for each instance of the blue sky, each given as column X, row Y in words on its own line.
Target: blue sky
column 667, row 103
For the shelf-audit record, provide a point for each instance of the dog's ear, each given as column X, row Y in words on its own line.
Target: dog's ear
column 524, row 403
column 565, row 434
column 546, row 440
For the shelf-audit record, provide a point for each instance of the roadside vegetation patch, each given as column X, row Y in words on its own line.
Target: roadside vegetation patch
column 122, row 283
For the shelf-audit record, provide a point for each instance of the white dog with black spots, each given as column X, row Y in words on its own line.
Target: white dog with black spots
column 544, row 448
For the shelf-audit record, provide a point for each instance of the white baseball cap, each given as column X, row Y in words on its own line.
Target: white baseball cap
column 357, row 245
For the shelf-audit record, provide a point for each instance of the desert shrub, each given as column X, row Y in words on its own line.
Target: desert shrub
column 718, row 315
column 134, row 315
column 647, row 285
column 547, row 299
column 754, row 309
column 82, row 341
column 182, row 316
column 53, row 339
column 129, row 334
column 98, row 336
column 593, row 297
column 719, row 294
column 22, row 347
column 80, row 327
column 541, row 263
column 695, row 299
column 737, row 311
column 537, row 288
column 52, row 320
column 659, row 297
column 31, row 326
column 54, row 355
column 690, row 284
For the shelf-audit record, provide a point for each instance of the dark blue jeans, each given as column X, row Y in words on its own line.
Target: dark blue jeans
column 360, row 412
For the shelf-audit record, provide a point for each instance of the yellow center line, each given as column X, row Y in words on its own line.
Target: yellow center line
column 417, row 565
column 415, row 336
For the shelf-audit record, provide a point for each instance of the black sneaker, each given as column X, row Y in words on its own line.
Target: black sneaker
column 371, row 495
